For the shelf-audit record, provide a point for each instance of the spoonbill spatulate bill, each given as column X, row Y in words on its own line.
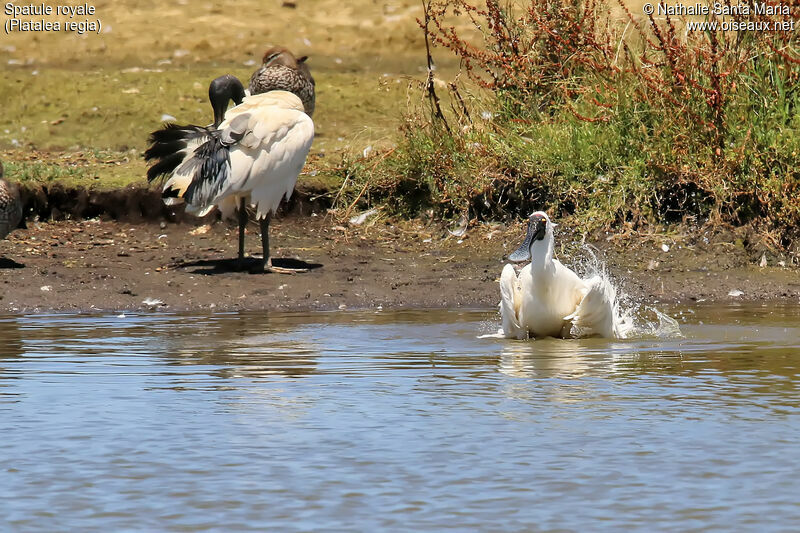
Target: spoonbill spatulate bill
column 547, row 299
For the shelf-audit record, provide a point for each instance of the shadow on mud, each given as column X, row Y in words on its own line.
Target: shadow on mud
column 10, row 263
column 252, row 265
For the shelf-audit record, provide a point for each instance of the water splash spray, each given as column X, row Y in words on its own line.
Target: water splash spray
column 630, row 316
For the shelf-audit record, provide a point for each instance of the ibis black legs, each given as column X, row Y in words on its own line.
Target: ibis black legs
column 242, row 224
column 266, row 262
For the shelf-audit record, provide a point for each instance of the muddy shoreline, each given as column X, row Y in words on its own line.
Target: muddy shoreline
column 140, row 256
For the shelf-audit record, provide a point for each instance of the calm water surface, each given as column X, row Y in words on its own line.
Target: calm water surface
column 396, row 421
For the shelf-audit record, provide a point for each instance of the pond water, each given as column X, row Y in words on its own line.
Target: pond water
column 396, row 421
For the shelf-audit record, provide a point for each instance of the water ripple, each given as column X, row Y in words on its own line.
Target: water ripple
column 341, row 421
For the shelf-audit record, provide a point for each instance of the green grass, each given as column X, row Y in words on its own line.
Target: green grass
column 116, row 109
column 91, row 169
column 102, row 119
column 633, row 169
column 41, row 172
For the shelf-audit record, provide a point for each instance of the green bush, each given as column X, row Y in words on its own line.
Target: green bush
column 611, row 119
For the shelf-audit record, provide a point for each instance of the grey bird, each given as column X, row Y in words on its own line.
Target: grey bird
column 10, row 206
column 280, row 71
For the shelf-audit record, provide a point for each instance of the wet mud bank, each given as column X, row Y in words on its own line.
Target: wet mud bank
column 106, row 265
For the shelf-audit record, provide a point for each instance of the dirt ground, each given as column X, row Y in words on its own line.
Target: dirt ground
column 94, row 265
column 150, row 59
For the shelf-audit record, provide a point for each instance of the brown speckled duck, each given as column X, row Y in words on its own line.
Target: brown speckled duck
column 280, row 71
column 10, row 206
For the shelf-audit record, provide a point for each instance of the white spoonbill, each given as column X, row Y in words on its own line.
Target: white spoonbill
column 254, row 156
column 547, row 299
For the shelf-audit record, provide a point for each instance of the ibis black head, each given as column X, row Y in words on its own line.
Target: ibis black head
column 220, row 92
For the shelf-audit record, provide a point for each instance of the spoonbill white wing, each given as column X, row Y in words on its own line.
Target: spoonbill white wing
column 510, row 301
column 595, row 312
column 598, row 311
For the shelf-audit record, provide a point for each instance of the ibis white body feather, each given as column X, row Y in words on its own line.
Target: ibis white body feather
column 547, row 299
column 267, row 138
column 252, row 153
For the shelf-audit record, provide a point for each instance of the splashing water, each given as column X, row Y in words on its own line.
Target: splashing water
column 666, row 327
column 630, row 316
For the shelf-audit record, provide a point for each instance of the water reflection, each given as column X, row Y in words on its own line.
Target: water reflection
column 242, row 345
column 10, row 339
column 403, row 420
column 546, row 358
column 10, row 351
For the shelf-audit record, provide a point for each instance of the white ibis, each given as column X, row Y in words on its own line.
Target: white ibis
column 253, row 157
